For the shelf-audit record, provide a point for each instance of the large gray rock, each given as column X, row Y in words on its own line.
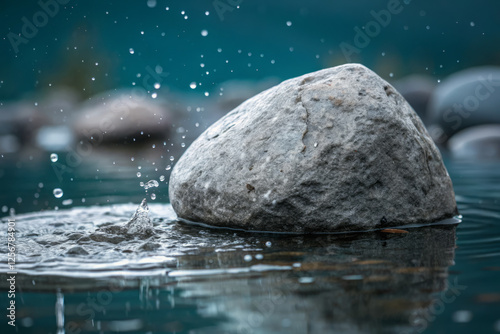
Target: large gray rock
column 334, row 150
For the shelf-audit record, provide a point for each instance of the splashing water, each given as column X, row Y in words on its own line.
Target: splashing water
column 140, row 224
column 58, row 193
column 151, row 184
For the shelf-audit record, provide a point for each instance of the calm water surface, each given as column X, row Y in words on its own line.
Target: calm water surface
column 74, row 278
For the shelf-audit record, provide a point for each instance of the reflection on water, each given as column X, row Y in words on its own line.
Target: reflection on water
column 76, row 278
column 235, row 282
column 348, row 284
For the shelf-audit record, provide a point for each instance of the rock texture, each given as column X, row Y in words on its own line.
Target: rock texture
column 334, row 150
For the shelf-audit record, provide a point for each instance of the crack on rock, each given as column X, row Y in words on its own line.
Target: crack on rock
column 299, row 100
column 426, row 162
column 389, row 91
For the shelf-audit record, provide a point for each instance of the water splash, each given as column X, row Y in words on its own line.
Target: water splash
column 59, row 311
column 151, row 184
column 140, row 224
column 58, row 193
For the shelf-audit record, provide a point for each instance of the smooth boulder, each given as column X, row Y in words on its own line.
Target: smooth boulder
column 334, row 150
column 122, row 117
column 480, row 142
column 467, row 98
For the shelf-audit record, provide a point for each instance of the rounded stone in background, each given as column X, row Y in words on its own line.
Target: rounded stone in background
column 334, row 150
column 124, row 116
column 477, row 142
column 464, row 99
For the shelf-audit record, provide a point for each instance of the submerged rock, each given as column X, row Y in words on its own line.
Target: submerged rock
column 334, row 150
column 77, row 250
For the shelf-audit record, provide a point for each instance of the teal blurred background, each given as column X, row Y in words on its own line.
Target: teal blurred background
column 432, row 37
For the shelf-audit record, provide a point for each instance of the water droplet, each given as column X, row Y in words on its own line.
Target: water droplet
column 151, row 184
column 289, row 23
column 5, row 208
column 172, row 158
column 139, row 174
column 67, row 202
column 154, row 95
column 472, row 24
column 153, row 197
column 131, row 51
column 259, row 256
column 247, row 258
column 391, row 74
column 162, row 178
column 151, row 3
column 168, row 167
column 132, row 158
column 54, row 157
column 269, row 244
column 197, row 124
column 183, row 145
column 207, row 93
column 157, row 85
column 204, row 32
column 207, row 13
column 462, row 316
column 192, row 85
column 306, row 280
column 58, row 193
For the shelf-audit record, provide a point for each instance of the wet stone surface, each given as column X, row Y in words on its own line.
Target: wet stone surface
column 330, row 151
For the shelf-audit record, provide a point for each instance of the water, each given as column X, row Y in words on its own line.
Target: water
column 135, row 268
